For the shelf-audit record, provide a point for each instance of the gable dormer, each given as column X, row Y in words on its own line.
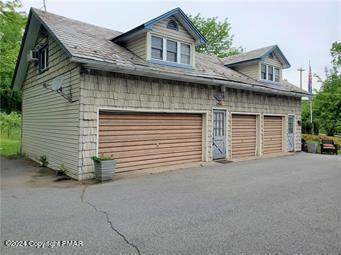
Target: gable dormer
column 169, row 39
column 265, row 64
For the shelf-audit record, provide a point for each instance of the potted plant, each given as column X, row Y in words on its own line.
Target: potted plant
column 311, row 147
column 104, row 167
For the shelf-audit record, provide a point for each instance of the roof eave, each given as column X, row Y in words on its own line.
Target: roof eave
column 249, row 61
column 110, row 67
column 21, row 51
column 130, row 33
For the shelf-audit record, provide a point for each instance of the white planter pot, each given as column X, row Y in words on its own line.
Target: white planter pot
column 104, row 170
column 312, row 147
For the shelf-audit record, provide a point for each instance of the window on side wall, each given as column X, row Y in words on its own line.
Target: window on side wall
column 157, row 47
column 276, row 75
column 172, row 51
column 43, row 58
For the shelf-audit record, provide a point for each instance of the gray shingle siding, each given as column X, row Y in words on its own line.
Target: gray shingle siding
column 126, row 92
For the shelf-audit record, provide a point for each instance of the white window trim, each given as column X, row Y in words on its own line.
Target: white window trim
column 42, row 68
column 177, row 50
column 164, row 51
column 266, row 71
column 267, row 66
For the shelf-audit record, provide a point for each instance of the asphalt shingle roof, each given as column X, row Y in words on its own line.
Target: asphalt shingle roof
column 91, row 42
column 253, row 54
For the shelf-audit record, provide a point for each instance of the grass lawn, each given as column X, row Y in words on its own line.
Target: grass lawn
column 10, row 146
column 316, row 139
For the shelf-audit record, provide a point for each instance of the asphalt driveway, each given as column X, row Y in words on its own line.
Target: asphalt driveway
column 289, row 205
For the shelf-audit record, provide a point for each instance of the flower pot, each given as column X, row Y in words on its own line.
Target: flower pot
column 104, row 170
column 312, row 147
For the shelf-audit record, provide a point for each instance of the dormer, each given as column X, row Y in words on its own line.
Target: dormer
column 265, row 64
column 169, row 39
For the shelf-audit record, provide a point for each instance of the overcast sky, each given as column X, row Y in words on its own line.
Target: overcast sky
column 304, row 30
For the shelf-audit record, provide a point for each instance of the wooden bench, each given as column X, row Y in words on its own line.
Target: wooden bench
column 328, row 146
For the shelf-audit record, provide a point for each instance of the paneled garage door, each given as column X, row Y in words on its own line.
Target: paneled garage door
column 145, row 140
column 244, row 133
column 273, row 134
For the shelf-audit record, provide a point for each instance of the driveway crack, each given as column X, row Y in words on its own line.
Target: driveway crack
column 109, row 222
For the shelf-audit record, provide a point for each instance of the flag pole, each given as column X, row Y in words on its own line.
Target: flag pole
column 311, row 111
column 311, row 98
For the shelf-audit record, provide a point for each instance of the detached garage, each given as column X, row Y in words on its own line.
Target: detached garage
column 146, row 98
column 273, row 134
column 145, row 140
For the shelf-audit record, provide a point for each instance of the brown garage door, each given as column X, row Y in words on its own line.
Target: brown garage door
column 146, row 140
column 273, row 134
column 243, row 136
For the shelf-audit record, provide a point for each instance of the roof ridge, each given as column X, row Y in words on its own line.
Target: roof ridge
column 38, row 12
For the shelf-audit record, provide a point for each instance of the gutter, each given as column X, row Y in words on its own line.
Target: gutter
column 133, row 70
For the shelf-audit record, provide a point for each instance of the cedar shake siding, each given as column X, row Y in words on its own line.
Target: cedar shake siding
column 108, row 91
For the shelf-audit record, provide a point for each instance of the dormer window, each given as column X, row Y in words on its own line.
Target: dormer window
column 172, row 25
column 263, row 72
column 185, row 54
column 276, row 75
column 170, row 52
column 269, row 73
column 157, row 48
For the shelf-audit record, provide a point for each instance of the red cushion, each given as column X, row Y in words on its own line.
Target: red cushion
column 328, row 146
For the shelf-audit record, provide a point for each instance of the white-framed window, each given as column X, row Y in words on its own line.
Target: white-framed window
column 276, row 74
column 43, row 58
column 171, row 51
column 269, row 73
column 185, row 57
column 157, row 47
column 263, row 72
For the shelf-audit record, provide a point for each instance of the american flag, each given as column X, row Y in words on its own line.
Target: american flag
column 310, row 81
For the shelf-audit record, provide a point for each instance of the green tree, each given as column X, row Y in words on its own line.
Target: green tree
column 218, row 35
column 305, row 115
column 335, row 51
column 326, row 101
column 327, row 104
column 12, row 23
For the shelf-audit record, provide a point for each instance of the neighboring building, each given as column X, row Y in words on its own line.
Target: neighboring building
column 147, row 97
